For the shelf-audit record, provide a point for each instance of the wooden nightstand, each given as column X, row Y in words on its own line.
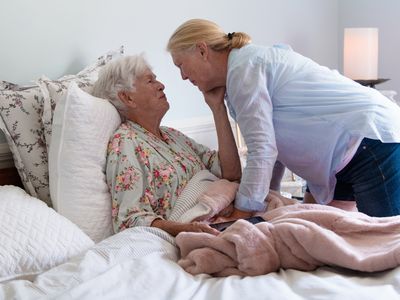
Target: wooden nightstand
column 10, row 176
column 8, row 173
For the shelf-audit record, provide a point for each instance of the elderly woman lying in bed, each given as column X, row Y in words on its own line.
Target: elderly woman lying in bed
column 148, row 166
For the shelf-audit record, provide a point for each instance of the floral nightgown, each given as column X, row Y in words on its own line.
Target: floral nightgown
column 146, row 174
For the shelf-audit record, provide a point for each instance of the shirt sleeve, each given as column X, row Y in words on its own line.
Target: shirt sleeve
column 131, row 192
column 249, row 98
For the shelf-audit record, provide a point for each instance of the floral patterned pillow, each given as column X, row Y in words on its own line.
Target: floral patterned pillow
column 5, row 85
column 21, row 122
column 25, row 118
column 54, row 90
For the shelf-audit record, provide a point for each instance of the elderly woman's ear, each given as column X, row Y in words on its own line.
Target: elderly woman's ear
column 126, row 99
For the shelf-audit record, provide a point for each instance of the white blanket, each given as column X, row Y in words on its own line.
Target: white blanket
column 140, row 263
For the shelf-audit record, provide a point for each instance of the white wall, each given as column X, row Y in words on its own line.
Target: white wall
column 55, row 37
column 385, row 15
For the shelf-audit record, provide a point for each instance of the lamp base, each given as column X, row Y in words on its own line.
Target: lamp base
column 370, row 82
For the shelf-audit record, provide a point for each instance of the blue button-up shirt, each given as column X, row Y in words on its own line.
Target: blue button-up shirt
column 307, row 116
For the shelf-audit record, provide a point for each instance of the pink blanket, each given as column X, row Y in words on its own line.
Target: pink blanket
column 303, row 237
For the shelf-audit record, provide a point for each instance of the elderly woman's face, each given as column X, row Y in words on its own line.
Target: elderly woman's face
column 149, row 96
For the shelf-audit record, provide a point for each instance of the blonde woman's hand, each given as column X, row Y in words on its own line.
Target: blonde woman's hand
column 226, row 212
column 241, row 214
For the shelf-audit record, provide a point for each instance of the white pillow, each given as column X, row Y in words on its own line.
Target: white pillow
column 33, row 237
column 54, row 90
column 82, row 127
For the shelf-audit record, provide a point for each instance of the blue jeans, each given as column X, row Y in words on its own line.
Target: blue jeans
column 372, row 179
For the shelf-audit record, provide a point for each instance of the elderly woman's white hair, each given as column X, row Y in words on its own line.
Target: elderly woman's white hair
column 119, row 75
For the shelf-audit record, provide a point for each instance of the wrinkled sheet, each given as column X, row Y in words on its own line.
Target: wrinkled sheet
column 140, row 263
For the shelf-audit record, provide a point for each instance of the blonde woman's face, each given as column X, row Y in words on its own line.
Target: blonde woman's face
column 193, row 67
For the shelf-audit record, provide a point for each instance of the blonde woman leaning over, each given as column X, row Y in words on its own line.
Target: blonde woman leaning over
column 343, row 138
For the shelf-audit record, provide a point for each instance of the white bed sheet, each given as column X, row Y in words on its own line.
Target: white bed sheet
column 140, row 263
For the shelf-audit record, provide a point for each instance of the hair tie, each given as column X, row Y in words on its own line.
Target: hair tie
column 230, row 35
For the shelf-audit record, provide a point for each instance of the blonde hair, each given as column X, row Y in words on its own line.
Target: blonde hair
column 194, row 31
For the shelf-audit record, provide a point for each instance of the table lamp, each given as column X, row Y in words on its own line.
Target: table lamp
column 360, row 55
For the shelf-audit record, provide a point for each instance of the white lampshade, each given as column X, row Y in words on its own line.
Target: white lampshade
column 361, row 53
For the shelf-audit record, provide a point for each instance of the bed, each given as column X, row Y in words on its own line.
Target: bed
column 66, row 252
column 141, row 263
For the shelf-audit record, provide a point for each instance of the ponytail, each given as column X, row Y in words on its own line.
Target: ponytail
column 195, row 31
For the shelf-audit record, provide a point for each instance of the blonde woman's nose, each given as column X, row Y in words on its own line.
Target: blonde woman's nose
column 184, row 77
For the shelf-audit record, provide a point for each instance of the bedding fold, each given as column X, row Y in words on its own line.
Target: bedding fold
column 204, row 196
column 302, row 237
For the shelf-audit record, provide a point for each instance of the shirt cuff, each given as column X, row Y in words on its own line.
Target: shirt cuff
column 246, row 204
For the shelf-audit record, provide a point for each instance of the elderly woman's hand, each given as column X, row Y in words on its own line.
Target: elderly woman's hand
column 215, row 98
column 201, row 227
column 174, row 228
